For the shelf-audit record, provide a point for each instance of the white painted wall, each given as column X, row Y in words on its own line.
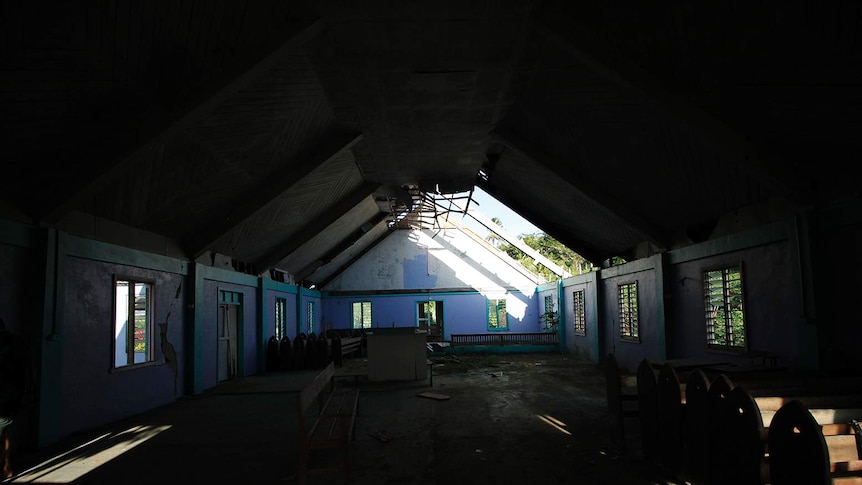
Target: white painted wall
column 450, row 258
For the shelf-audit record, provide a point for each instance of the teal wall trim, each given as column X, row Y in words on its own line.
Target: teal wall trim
column 273, row 285
column 195, row 336
column 17, row 234
column 110, row 253
column 421, row 294
column 299, row 291
column 261, row 322
column 50, row 358
column 591, row 308
column 635, row 266
column 546, row 287
column 561, row 318
column 225, row 276
column 661, row 326
column 771, row 233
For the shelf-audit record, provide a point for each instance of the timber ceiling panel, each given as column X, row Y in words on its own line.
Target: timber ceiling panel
column 253, row 127
column 286, row 215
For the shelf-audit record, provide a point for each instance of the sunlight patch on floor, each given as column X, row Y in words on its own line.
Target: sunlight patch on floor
column 554, row 422
column 75, row 463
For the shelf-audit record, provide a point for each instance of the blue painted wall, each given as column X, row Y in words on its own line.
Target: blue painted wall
column 247, row 345
column 273, row 290
column 87, row 327
column 310, row 296
column 463, row 312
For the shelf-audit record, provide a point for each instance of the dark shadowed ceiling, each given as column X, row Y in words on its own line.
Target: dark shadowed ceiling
column 293, row 136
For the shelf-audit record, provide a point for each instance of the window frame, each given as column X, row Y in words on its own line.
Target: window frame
column 496, row 306
column 361, row 304
column 149, row 324
column 629, row 328
column 728, row 320
column 579, row 312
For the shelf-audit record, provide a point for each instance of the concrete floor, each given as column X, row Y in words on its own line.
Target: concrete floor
column 509, row 419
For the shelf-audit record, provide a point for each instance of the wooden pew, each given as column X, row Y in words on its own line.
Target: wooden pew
column 697, row 427
column 648, row 409
column 744, row 429
column 622, row 402
column 671, row 411
column 724, row 428
column 803, row 450
column 329, row 427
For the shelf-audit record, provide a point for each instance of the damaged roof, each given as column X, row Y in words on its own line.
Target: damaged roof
column 292, row 136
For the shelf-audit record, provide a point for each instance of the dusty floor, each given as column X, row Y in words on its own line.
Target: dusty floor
column 509, row 419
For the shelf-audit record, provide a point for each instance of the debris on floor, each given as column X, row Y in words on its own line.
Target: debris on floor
column 434, row 395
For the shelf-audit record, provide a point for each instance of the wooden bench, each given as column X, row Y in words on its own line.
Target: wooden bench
column 331, row 426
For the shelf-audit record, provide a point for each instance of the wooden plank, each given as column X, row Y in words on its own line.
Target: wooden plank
column 312, row 390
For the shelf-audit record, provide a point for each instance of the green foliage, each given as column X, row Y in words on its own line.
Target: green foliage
column 552, row 249
column 549, row 321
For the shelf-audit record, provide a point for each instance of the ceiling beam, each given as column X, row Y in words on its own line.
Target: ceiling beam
column 584, row 187
column 68, row 202
column 585, row 44
column 342, row 246
column 514, row 241
column 258, row 198
column 581, row 247
column 320, row 223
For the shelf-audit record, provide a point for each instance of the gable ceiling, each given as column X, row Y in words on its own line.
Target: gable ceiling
column 292, row 136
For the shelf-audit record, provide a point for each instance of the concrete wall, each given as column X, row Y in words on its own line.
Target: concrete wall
column 310, row 296
column 274, row 290
column 770, row 304
column 463, row 312
column 588, row 345
column 449, row 265
column 651, row 341
column 91, row 393
column 444, row 259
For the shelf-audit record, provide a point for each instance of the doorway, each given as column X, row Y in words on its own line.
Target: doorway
column 228, row 331
column 430, row 318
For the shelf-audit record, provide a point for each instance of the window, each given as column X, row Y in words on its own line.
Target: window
column 133, row 322
column 549, row 316
column 725, row 323
column 280, row 318
column 497, row 319
column 627, row 301
column 578, row 311
column 310, row 312
column 362, row 314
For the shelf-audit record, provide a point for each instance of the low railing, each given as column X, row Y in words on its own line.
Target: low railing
column 505, row 338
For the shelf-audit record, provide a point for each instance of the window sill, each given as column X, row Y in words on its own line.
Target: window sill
column 127, row 368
